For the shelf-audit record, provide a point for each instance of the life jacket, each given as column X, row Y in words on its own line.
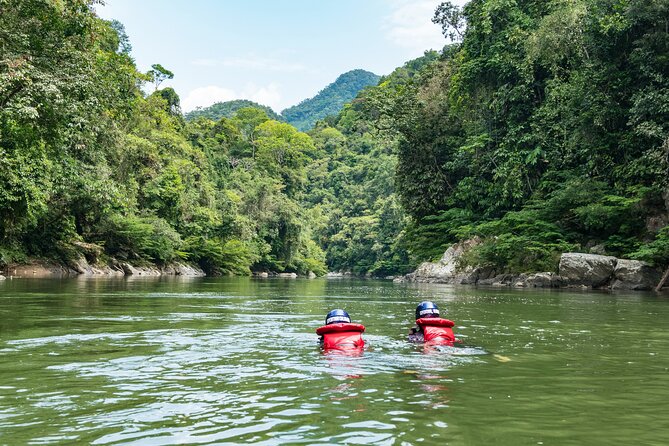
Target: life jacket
column 437, row 331
column 342, row 336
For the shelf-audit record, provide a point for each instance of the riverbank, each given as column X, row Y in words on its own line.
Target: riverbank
column 40, row 269
column 575, row 270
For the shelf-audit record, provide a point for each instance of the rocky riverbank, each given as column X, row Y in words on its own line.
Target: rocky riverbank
column 576, row 270
column 44, row 269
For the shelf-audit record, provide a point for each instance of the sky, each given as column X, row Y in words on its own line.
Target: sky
column 275, row 52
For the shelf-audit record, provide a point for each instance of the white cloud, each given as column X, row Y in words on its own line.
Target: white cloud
column 252, row 62
column 206, row 96
column 268, row 95
column 410, row 25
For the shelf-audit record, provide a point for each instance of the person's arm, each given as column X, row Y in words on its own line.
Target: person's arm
column 416, row 334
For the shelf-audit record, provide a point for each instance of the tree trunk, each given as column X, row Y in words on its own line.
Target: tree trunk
column 664, row 279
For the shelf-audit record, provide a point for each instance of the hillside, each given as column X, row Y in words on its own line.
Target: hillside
column 228, row 109
column 330, row 100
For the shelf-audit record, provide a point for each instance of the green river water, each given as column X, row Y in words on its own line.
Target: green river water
column 236, row 361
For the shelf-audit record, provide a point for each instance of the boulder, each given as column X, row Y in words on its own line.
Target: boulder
column 130, row 270
column 311, row 275
column 499, row 280
column 287, row 275
column 181, row 269
column 472, row 276
column 544, row 280
column 2, row 277
column 586, row 269
column 634, row 275
column 447, row 269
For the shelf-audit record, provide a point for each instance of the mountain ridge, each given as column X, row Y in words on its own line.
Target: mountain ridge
column 327, row 102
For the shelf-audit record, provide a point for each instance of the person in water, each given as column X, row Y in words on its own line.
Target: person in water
column 339, row 333
column 430, row 328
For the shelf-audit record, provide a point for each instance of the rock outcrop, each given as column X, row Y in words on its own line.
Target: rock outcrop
column 575, row 270
column 634, row 275
column 81, row 267
column 448, row 269
column 590, row 270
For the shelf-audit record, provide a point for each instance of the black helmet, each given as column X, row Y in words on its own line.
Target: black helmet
column 427, row 309
column 337, row 316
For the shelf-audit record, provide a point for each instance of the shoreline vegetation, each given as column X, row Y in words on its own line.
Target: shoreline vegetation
column 542, row 130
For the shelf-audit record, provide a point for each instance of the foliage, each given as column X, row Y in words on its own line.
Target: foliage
column 139, row 238
column 655, row 252
column 229, row 109
column 216, row 256
column 542, row 111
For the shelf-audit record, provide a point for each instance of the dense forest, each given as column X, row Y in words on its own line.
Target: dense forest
column 543, row 128
column 228, row 109
column 330, row 100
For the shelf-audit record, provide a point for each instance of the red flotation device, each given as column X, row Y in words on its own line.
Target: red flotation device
column 342, row 336
column 437, row 331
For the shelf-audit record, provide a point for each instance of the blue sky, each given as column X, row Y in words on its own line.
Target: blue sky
column 276, row 52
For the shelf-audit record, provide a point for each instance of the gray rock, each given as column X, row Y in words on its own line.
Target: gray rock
column 130, row 270
column 181, row 269
column 2, row 277
column 287, row 275
column 447, row 269
column 472, row 276
column 586, row 269
column 544, row 280
column 311, row 275
column 598, row 249
column 81, row 266
column 635, row 275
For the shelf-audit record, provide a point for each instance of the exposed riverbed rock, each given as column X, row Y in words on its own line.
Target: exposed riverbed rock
column 544, row 280
column 40, row 270
column 590, row 270
column 2, row 277
column 81, row 267
column 181, row 269
column 447, row 269
column 287, row 275
column 634, row 275
column 575, row 270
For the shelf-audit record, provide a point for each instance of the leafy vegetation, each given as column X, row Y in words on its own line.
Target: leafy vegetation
column 229, row 109
column 544, row 129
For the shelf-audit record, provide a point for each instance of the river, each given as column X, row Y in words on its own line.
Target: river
column 236, row 360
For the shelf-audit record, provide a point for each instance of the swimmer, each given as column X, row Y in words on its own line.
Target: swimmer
column 339, row 333
column 430, row 328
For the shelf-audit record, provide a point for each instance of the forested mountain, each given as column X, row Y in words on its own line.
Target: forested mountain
column 544, row 129
column 330, row 100
column 228, row 109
